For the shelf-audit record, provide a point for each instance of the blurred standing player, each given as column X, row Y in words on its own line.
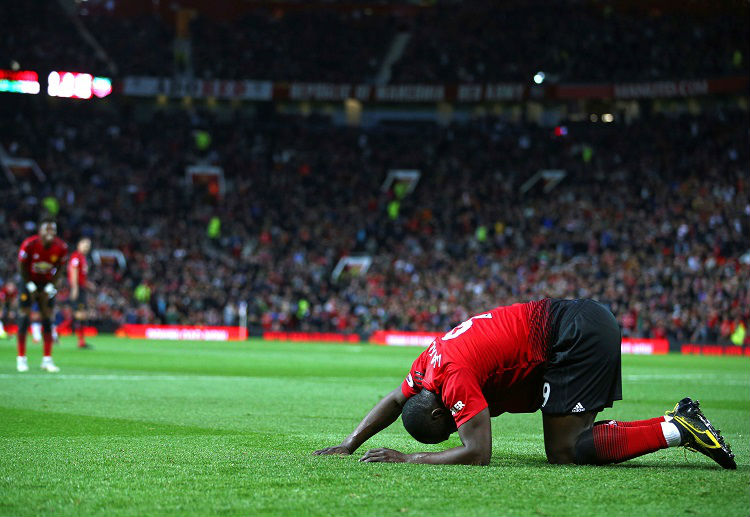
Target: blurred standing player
column 41, row 260
column 8, row 293
column 78, row 278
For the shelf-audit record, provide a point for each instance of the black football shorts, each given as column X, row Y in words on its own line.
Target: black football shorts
column 584, row 368
column 29, row 300
column 80, row 303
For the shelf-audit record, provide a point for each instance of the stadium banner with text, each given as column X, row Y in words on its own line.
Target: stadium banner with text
column 321, row 337
column 181, row 332
column 644, row 346
column 695, row 349
column 403, row 338
column 142, row 86
column 258, row 90
column 653, row 89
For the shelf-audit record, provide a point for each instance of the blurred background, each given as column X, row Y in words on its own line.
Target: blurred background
column 350, row 167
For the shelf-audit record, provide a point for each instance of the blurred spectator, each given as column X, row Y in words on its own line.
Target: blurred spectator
column 654, row 223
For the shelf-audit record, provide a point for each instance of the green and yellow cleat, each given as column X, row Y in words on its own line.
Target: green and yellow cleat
column 699, row 435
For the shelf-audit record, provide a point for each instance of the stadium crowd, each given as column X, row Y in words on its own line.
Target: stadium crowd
column 652, row 217
column 449, row 42
column 586, row 41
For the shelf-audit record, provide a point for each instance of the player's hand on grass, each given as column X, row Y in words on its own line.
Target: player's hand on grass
column 337, row 450
column 383, row 456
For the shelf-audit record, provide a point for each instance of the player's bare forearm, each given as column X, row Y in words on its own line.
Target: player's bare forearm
column 56, row 276
column 476, row 436
column 381, row 416
column 455, row 456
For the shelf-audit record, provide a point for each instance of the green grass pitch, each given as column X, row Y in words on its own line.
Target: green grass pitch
column 181, row 428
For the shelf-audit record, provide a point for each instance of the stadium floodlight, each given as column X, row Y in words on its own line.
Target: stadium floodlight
column 608, row 117
column 539, row 77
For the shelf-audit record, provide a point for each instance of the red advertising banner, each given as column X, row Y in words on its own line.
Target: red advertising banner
column 693, row 349
column 321, row 337
column 642, row 346
column 180, row 332
column 403, row 338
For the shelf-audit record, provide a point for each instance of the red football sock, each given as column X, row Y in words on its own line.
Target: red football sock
column 79, row 333
column 614, row 443
column 47, row 334
column 640, row 423
column 21, row 339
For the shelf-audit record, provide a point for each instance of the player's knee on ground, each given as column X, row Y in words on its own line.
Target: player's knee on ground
column 560, row 454
column 560, row 448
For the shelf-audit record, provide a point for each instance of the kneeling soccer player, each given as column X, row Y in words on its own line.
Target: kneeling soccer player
column 562, row 356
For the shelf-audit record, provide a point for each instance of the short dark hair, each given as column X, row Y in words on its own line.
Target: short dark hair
column 47, row 219
column 418, row 421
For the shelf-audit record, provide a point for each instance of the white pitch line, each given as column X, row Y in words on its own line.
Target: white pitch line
column 721, row 378
column 718, row 377
column 113, row 377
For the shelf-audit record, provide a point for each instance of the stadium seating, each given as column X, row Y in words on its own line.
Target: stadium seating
column 448, row 42
column 651, row 218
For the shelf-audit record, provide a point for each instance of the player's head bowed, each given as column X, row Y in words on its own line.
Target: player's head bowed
column 426, row 418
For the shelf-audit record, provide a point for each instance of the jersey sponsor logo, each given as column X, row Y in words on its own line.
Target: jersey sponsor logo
column 410, row 381
column 578, row 408
column 41, row 267
column 458, row 406
column 53, row 258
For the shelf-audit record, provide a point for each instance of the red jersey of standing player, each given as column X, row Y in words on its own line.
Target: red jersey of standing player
column 77, row 263
column 8, row 293
column 78, row 280
column 499, row 364
column 42, row 262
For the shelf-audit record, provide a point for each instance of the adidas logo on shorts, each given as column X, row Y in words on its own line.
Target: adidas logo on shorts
column 578, row 408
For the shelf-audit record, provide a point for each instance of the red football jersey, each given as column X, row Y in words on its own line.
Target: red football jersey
column 7, row 295
column 78, row 263
column 40, row 262
column 495, row 359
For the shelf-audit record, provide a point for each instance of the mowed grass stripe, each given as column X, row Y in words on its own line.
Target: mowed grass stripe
column 165, row 428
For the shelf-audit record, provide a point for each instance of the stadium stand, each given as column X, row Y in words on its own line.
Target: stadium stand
column 651, row 217
column 448, row 43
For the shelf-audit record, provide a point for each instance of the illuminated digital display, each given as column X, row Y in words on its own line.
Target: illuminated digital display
column 21, row 81
column 76, row 85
